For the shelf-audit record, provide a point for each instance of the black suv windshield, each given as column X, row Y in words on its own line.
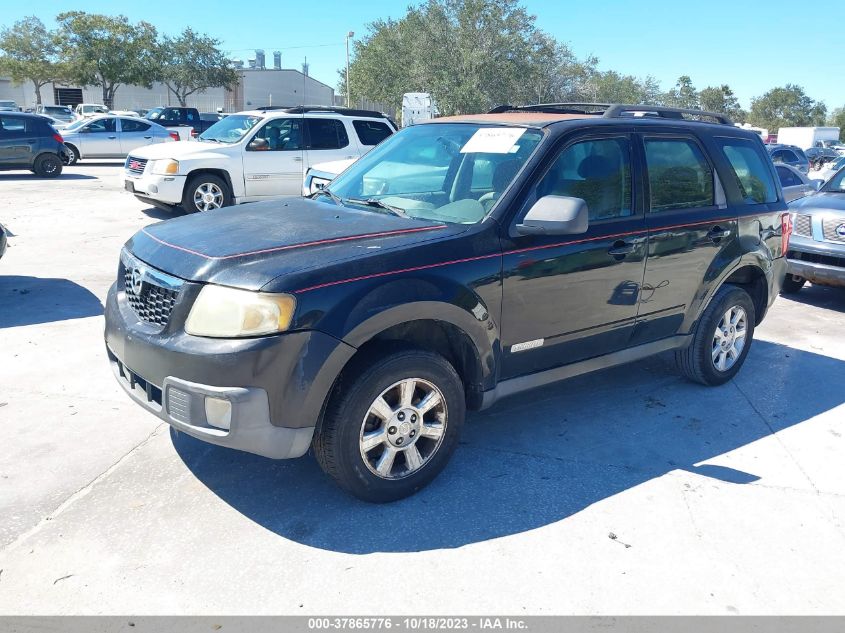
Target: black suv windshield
column 231, row 129
column 447, row 172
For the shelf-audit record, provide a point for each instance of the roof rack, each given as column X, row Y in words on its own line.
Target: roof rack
column 612, row 111
column 302, row 109
column 619, row 110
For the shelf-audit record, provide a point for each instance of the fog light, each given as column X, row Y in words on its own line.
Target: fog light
column 218, row 412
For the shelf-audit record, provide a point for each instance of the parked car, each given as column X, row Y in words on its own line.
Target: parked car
column 61, row 113
column 829, row 170
column 819, row 156
column 108, row 136
column 28, row 141
column 3, row 241
column 90, row 109
column 790, row 155
column 9, row 106
column 185, row 122
column 251, row 156
column 817, row 247
column 318, row 176
column 795, row 184
column 466, row 259
column 129, row 113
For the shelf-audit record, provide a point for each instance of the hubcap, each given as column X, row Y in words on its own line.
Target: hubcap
column 403, row 428
column 208, row 196
column 729, row 338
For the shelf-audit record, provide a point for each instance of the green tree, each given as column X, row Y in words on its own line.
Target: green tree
column 108, row 51
column 683, row 95
column 786, row 107
column 470, row 54
column 837, row 119
column 191, row 63
column 30, row 54
column 612, row 87
column 723, row 100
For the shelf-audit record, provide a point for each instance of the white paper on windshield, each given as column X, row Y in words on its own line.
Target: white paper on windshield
column 493, row 140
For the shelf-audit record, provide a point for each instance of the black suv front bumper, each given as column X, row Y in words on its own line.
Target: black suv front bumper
column 276, row 385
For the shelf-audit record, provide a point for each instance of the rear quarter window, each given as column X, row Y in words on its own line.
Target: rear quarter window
column 751, row 170
column 371, row 132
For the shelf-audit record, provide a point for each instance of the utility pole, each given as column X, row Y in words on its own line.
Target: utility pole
column 349, row 36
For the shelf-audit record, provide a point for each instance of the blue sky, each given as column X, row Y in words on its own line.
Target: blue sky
column 714, row 42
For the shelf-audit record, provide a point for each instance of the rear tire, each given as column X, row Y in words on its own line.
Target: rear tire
column 792, row 284
column 48, row 166
column 391, row 425
column 721, row 339
column 206, row 192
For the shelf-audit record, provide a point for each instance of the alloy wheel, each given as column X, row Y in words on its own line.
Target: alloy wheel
column 730, row 338
column 208, row 196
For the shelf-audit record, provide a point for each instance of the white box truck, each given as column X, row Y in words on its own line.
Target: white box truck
column 807, row 137
column 416, row 107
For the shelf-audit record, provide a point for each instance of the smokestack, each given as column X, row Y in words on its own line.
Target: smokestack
column 277, row 60
column 259, row 59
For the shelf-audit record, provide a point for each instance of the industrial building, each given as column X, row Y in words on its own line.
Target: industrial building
column 257, row 86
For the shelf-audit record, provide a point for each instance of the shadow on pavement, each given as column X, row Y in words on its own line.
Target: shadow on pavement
column 22, row 176
column 163, row 214
column 30, row 300
column 537, row 458
column 820, row 296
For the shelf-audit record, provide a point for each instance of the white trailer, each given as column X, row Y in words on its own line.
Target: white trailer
column 416, row 107
column 807, row 137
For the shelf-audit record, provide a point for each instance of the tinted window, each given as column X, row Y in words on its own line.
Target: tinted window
column 371, row 132
column 326, row 134
column 102, row 125
column 278, row 135
column 599, row 172
column 787, row 178
column 128, row 125
column 678, row 174
column 753, row 175
column 13, row 126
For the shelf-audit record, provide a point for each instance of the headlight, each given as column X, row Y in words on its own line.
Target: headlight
column 164, row 167
column 318, row 184
column 222, row 312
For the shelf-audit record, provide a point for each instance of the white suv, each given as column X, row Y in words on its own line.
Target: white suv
column 251, row 156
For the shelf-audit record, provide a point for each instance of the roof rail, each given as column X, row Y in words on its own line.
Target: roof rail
column 552, row 108
column 619, row 110
column 302, row 109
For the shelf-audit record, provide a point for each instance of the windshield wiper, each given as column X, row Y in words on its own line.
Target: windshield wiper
column 325, row 191
column 378, row 204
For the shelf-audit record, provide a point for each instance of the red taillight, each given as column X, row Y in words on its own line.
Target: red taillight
column 58, row 138
column 174, row 136
column 785, row 232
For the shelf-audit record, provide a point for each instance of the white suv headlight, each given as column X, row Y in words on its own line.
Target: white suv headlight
column 222, row 312
column 164, row 167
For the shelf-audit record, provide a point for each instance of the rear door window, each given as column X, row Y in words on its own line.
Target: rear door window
column 14, row 127
column 326, row 134
column 751, row 169
column 371, row 132
column 679, row 175
column 130, row 125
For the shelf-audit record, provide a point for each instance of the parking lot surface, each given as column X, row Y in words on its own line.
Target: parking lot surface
column 624, row 491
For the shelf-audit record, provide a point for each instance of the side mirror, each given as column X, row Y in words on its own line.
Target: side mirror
column 258, row 145
column 555, row 215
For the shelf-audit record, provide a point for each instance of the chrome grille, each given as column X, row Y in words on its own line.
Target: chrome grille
column 151, row 294
column 135, row 165
column 803, row 225
column 829, row 228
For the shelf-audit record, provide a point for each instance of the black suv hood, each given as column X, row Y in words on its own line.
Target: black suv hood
column 250, row 245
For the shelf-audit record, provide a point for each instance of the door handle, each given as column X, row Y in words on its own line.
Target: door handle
column 620, row 249
column 112, row 137
column 148, row 137
column 717, row 233
column 297, row 159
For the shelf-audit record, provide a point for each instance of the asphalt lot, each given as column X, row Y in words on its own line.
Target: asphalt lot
column 626, row 491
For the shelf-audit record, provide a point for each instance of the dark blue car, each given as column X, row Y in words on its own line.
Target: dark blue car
column 28, row 141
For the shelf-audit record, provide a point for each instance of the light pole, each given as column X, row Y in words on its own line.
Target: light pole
column 349, row 36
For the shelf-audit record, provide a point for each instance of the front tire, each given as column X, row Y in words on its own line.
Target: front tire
column 721, row 339
column 792, row 284
column 206, row 192
column 72, row 154
column 48, row 166
column 391, row 425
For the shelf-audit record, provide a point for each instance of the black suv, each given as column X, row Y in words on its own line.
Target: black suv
column 28, row 141
column 461, row 261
